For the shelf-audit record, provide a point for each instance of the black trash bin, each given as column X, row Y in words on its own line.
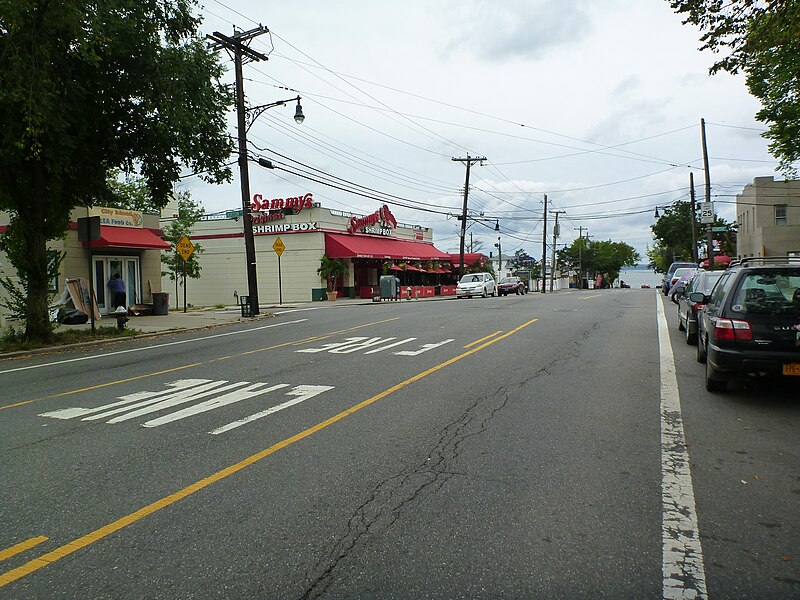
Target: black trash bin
column 160, row 303
column 244, row 303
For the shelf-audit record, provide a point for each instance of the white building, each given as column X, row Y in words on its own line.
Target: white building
column 768, row 214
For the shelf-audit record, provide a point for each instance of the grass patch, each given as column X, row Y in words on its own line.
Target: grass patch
column 13, row 340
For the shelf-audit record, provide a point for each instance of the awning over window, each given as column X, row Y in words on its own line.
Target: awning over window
column 339, row 245
column 127, row 237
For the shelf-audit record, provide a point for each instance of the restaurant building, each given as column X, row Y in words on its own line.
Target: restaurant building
column 130, row 245
column 371, row 245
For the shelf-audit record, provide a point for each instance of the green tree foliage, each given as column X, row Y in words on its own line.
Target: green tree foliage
column 522, row 261
column 127, row 190
column 599, row 257
column 762, row 40
column 673, row 236
column 90, row 87
column 189, row 213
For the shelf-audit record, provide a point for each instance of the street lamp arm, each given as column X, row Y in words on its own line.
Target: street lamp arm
column 253, row 112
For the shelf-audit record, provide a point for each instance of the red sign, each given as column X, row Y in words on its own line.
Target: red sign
column 382, row 215
column 297, row 203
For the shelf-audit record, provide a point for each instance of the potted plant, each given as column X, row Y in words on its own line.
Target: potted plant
column 330, row 269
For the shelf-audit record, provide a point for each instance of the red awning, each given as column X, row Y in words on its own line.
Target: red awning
column 338, row 245
column 469, row 258
column 127, row 237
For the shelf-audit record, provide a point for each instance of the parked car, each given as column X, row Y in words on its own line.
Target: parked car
column 681, row 279
column 702, row 281
column 511, row 285
column 665, row 285
column 751, row 321
column 476, row 284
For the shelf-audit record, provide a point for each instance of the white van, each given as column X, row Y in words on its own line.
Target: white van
column 476, row 284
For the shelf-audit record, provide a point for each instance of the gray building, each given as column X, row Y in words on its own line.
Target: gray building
column 768, row 214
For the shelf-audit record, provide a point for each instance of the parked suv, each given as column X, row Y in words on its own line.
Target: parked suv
column 751, row 321
column 476, row 284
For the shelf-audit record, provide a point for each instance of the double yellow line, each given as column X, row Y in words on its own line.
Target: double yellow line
column 98, row 534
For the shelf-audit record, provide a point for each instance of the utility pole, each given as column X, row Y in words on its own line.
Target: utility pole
column 471, row 243
column 580, row 256
column 544, row 248
column 499, row 258
column 694, row 213
column 237, row 45
column 556, row 233
column 709, row 235
column 468, row 161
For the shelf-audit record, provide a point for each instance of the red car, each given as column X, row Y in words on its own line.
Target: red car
column 511, row 285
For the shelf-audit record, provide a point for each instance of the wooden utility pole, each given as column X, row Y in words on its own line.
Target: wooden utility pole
column 556, row 233
column 709, row 235
column 237, row 46
column 694, row 217
column 544, row 248
column 463, row 218
column 580, row 256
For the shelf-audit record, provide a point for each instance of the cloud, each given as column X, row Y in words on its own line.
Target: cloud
column 518, row 28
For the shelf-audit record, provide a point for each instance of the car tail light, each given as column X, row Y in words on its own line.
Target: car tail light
column 697, row 306
column 732, row 329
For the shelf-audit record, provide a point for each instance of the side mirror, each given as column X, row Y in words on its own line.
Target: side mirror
column 698, row 298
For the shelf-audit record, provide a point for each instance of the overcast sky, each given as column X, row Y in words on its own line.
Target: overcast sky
column 595, row 103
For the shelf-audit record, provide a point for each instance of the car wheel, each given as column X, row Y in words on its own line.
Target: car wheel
column 494, row 292
column 700, row 353
column 484, row 293
column 713, row 383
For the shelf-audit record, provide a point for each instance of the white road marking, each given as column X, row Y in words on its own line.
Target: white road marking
column 400, row 343
column 185, row 391
column 683, row 573
column 303, row 392
column 256, row 389
column 153, row 347
column 422, row 348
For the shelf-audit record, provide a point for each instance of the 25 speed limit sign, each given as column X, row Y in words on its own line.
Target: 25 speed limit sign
column 707, row 212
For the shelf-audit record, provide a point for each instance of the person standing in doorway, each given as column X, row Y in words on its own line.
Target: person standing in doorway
column 116, row 285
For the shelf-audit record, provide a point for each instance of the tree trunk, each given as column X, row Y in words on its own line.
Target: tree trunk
column 35, row 223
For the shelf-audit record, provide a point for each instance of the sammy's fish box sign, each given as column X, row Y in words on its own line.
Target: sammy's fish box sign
column 378, row 222
column 270, row 210
column 117, row 217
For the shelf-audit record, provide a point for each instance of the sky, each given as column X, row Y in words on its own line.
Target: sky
column 596, row 104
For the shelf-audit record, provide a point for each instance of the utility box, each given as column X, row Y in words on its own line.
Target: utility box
column 244, row 304
column 388, row 287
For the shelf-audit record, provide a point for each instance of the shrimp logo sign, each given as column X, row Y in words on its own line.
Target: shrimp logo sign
column 382, row 215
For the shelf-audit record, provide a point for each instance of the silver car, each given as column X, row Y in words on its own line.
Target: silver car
column 476, row 284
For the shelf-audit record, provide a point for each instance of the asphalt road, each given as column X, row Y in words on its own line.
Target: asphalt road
column 540, row 446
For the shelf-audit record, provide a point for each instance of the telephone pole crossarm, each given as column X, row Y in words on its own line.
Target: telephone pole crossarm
column 468, row 161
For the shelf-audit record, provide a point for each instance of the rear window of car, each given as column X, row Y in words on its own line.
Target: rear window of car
column 768, row 292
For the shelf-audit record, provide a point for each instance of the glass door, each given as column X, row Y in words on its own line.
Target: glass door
column 105, row 267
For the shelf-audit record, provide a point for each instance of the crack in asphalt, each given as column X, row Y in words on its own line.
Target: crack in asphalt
column 390, row 497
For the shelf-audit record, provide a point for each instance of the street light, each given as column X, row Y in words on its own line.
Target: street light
column 246, row 118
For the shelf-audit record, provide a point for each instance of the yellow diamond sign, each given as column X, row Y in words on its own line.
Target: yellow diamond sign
column 279, row 246
column 185, row 247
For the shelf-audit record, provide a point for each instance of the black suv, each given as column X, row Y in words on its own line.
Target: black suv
column 750, row 324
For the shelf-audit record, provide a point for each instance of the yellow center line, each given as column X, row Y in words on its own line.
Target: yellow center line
column 21, row 547
column 98, row 534
column 491, row 335
column 198, row 364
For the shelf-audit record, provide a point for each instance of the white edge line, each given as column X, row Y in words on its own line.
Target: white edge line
column 153, row 347
column 683, row 573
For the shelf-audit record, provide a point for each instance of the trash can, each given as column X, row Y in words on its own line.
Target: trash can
column 244, row 303
column 160, row 303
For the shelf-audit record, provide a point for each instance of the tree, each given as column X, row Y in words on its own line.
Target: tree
column 90, row 87
column 522, row 261
column 762, row 40
column 189, row 213
column 673, row 236
column 599, row 257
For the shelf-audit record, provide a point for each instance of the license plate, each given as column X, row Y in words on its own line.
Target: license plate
column 791, row 369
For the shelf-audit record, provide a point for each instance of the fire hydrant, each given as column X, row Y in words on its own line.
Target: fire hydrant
column 408, row 293
column 122, row 317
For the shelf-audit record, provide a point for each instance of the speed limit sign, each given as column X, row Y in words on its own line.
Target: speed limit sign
column 707, row 212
